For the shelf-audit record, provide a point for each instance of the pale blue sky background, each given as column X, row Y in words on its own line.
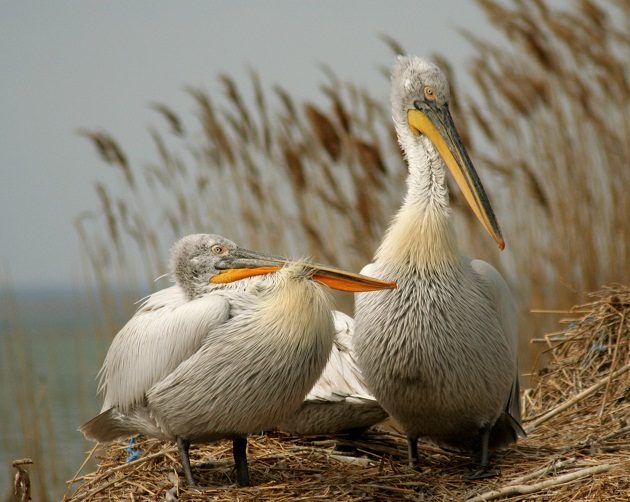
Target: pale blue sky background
column 97, row 64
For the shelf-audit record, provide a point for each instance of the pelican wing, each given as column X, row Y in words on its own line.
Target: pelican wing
column 506, row 310
column 341, row 379
column 166, row 330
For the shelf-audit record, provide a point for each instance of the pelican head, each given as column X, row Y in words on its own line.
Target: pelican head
column 420, row 96
column 195, row 260
column 201, row 259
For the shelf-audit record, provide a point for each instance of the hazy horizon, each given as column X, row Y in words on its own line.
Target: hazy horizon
column 98, row 65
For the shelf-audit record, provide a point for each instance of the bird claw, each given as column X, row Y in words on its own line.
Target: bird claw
column 482, row 473
column 242, row 479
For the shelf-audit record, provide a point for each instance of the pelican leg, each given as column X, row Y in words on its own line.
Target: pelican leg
column 184, row 445
column 239, row 449
column 412, row 450
column 484, row 470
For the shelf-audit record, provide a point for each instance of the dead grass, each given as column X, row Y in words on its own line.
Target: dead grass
column 577, row 452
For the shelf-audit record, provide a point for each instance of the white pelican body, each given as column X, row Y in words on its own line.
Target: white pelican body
column 440, row 351
column 204, row 350
column 339, row 401
column 206, row 359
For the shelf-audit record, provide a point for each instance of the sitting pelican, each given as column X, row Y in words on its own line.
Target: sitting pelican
column 232, row 348
column 339, row 401
column 440, row 351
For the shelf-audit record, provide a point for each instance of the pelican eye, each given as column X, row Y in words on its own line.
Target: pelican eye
column 429, row 93
column 219, row 249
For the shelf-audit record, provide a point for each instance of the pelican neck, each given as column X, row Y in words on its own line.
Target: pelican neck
column 422, row 233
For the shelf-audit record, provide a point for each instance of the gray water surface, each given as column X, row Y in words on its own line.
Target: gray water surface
column 52, row 343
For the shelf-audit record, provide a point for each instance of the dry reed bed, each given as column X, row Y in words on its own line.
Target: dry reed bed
column 578, row 446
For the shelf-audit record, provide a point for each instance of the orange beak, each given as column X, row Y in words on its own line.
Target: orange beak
column 236, row 274
column 252, row 264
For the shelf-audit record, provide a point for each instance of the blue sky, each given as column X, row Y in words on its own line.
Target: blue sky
column 72, row 64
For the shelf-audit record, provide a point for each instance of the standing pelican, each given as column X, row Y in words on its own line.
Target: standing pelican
column 231, row 349
column 339, row 401
column 440, row 351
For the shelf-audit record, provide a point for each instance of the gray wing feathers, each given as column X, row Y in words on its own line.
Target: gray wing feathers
column 506, row 310
column 110, row 425
column 503, row 301
column 105, row 427
column 165, row 331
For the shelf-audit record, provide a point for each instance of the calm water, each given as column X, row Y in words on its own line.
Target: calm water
column 51, row 347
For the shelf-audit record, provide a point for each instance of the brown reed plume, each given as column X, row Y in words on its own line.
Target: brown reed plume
column 270, row 173
column 554, row 120
column 546, row 122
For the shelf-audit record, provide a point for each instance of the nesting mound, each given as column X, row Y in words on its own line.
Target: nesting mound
column 578, row 448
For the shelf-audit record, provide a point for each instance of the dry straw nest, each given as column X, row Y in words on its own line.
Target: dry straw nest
column 578, row 446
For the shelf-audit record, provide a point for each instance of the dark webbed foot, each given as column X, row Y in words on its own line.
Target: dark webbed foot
column 239, row 449
column 483, row 472
column 412, row 450
column 184, row 445
column 483, row 469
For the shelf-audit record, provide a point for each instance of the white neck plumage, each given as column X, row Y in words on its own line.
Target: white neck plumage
column 422, row 233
